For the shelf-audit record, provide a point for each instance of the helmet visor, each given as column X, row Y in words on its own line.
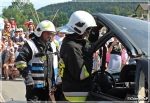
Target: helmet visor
column 66, row 30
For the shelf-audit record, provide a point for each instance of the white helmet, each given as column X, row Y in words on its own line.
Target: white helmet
column 79, row 22
column 45, row 25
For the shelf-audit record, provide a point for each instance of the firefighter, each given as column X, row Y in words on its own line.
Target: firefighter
column 35, row 63
column 76, row 57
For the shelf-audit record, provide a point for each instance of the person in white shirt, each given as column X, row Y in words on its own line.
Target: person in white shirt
column 55, row 44
column 9, row 50
column 101, row 33
column 62, row 36
column 57, row 36
column 96, row 61
column 26, row 37
column 21, row 33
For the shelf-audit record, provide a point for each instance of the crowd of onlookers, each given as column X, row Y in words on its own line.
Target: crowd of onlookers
column 116, row 54
column 12, row 40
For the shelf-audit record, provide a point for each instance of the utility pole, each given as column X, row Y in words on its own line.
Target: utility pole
column 55, row 15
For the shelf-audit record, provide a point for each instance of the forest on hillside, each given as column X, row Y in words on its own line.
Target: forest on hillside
column 64, row 10
column 124, row 8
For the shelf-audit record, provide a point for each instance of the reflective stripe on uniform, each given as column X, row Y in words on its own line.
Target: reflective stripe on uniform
column 38, row 82
column 37, row 68
column 76, row 96
column 56, row 43
column 76, row 99
column 21, row 65
column 84, row 73
column 44, row 57
column 37, row 75
column 61, row 66
column 20, row 62
column 38, row 85
column 75, row 93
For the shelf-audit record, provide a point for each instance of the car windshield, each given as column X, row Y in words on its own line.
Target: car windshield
column 136, row 29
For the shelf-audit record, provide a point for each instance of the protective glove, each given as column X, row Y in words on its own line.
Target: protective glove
column 26, row 74
column 29, row 80
column 56, row 53
column 88, row 49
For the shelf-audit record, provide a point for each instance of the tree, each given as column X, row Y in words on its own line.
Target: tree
column 129, row 13
column 91, row 7
column 21, row 11
column 116, row 10
column 62, row 19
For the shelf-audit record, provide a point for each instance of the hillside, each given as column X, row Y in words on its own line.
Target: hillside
column 68, row 8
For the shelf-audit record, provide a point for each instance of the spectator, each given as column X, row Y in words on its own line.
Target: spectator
column 5, row 40
column 125, row 57
column 31, row 29
column 6, row 21
column 62, row 36
column 13, row 26
column 101, row 33
column 5, row 43
column 13, row 23
column 26, row 37
column 10, row 70
column 17, row 39
column 96, row 61
column 57, row 37
column 21, row 33
column 30, row 22
column 9, row 50
column 108, row 53
column 7, row 30
column 55, row 44
column 30, row 26
column 115, row 54
column 16, row 52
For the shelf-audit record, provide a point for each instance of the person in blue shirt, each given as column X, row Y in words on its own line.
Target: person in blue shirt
column 16, row 52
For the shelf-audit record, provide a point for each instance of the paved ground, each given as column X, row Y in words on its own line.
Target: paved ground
column 13, row 90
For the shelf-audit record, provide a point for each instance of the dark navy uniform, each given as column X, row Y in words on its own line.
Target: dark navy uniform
column 35, row 65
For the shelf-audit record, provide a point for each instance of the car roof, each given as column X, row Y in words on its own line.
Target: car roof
column 133, row 30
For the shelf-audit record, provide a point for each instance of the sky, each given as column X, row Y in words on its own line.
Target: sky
column 37, row 3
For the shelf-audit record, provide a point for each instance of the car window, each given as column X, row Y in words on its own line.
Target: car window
column 137, row 30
